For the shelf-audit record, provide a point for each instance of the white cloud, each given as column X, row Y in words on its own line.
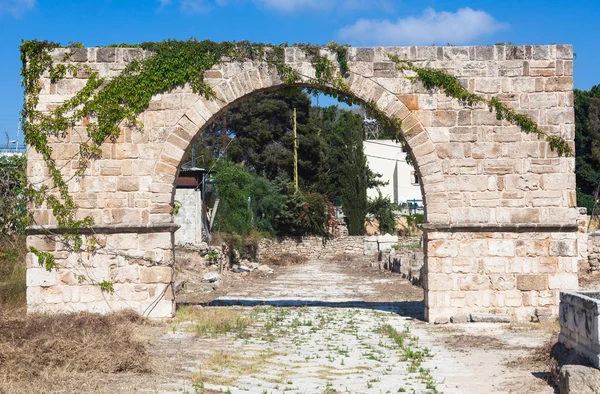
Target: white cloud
column 431, row 27
column 16, row 7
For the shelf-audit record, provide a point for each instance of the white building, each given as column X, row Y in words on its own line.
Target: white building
column 386, row 157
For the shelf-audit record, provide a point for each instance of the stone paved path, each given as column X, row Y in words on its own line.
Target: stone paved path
column 319, row 329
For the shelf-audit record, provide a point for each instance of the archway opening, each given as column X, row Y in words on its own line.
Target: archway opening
column 237, row 202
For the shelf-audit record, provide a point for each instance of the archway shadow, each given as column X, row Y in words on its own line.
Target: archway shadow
column 412, row 309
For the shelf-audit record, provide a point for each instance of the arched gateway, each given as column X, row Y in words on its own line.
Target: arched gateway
column 501, row 231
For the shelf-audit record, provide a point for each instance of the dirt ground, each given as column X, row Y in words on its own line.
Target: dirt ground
column 310, row 328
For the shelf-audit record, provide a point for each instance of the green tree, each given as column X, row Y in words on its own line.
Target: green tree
column 258, row 132
column 234, row 184
column 349, row 168
column 587, row 144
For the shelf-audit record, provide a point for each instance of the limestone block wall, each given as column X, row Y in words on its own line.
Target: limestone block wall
column 580, row 323
column 594, row 251
column 140, row 265
column 509, row 272
column 311, row 247
column 486, row 185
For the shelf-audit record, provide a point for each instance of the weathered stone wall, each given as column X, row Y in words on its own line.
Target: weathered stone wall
column 311, row 247
column 139, row 265
column 508, row 273
column 486, row 185
column 594, row 251
column 579, row 320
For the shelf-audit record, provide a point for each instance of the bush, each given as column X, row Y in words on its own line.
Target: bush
column 382, row 209
column 14, row 217
column 307, row 214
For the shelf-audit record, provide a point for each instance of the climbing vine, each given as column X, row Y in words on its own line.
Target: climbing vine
column 433, row 78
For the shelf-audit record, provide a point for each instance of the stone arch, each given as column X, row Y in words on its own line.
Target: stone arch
column 502, row 223
column 203, row 112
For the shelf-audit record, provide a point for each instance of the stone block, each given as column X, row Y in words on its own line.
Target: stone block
column 532, row 282
column 501, row 248
column 474, row 282
column 567, row 247
column 480, row 317
column 459, row 319
column 106, row 55
column 41, row 277
column 155, row 274
column 439, row 282
column 578, row 379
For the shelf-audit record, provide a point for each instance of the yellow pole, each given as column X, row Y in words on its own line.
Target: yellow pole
column 295, row 154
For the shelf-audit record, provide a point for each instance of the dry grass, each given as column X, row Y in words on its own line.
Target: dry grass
column 284, row 259
column 215, row 321
column 548, row 328
column 12, row 272
column 63, row 352
column 35, row 350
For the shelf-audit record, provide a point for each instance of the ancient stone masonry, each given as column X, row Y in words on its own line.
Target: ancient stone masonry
column 594, row 251
column 312, row 247
column 501, row 231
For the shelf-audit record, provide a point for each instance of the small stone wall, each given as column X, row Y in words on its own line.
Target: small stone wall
column 579, row 317
column 311, row 247
column 594, row 251
column 407, row 260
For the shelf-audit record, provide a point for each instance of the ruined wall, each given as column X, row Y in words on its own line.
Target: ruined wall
column 312, row 247
column 501, row 216
column 594, row 251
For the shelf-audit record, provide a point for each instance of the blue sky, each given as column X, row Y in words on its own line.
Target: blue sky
column 354, row 22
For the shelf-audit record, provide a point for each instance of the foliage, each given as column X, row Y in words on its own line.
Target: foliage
column 349, row 169
column 14, row 217
column 382, row 209
column 234, row 185
column 433, row 78
column 412, row 223
column 267, row 201
column 587, row 145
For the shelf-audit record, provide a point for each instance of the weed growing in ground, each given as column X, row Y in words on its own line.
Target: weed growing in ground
column 215, row 321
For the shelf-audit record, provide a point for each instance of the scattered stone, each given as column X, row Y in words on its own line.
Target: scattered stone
column 489, row 318
column 211, row 277
column 459, row 319
column 578, row 379
column 265, row 268
column 240, row 269
column 441, row 320
column 203, row 247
